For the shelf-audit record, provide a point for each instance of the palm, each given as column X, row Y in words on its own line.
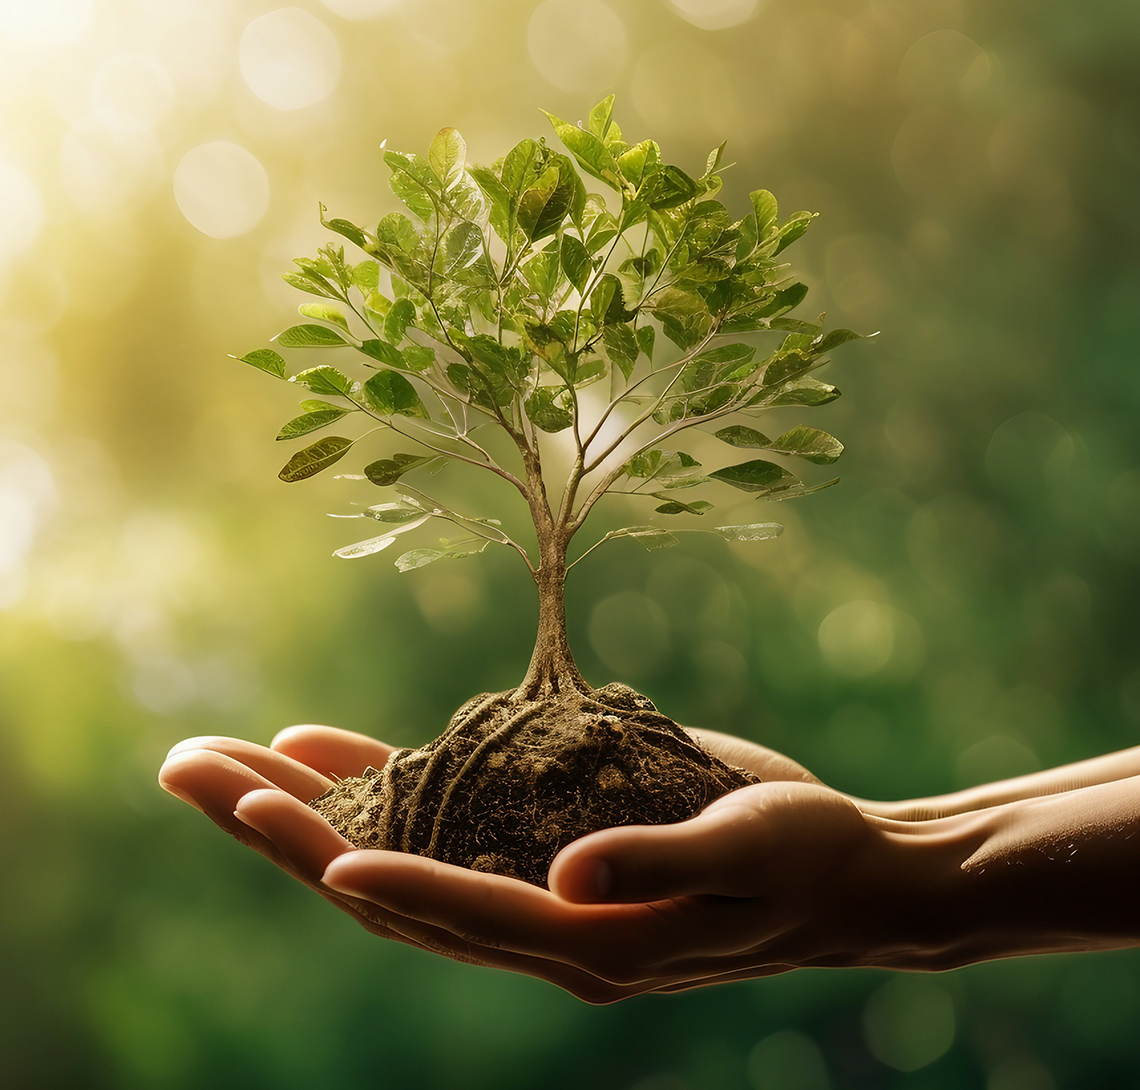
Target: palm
column 599, row 952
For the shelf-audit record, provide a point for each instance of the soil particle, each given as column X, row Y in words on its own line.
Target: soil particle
column 512, row 781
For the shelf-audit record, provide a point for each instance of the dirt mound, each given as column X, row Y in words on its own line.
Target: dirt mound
column 513, row 781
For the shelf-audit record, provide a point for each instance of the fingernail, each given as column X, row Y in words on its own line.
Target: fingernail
column 189, row 743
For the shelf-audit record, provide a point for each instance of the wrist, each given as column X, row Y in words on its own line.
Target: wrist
column 910, row 901
column 1039, row 875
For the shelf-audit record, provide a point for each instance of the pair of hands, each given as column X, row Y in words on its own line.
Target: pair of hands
column 771, row 877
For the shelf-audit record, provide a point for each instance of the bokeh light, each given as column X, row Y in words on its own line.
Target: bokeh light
column 21, row 211
column 221, row 189
column 909, row 1023
column 44, row 23
column 579, row 45
column 715, row 14
column 132, row 84
column 361, row 9
column 289, row 59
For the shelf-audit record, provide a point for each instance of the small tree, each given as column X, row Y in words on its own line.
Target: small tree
column 514, row 289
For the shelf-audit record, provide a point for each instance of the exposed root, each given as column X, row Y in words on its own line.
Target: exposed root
column 515, row 779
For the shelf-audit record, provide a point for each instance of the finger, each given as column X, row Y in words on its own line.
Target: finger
column 283, row 771
column 332, row 752
column 641, row 863
column 213, row 783
column 766, row 763
column 304, row 838
column 492, row 911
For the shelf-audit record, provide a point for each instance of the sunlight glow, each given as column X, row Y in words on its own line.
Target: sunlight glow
column 44, row 24
column 221, row 189
column 289, row 59
column 715, row 14
column 361, row 9
column 21, row 211
column 579, row 45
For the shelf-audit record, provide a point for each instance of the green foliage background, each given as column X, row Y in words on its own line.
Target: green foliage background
column 961, row 607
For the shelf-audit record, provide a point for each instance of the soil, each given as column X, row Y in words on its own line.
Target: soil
column 515, row 778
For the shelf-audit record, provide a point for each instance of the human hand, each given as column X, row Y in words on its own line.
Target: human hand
column 765, row 879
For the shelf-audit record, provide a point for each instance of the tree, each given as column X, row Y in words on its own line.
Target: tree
column 514, row 289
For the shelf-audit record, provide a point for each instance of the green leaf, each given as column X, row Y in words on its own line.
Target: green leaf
column 383, row 351
column 500, row 200
column 767, row 212
column 757, row 531
column 713, row 160
column 398, row 233
column 310, row 421
column 604, row 293
column 319, row 406
column 621, row 344
column 601, row 116
column 794, row 325
column 264, row 359
column 664, row 465
column 782, row 301
column 810, row 444
column 309, row 336
column 834, row 339
column 653, row 537
column 398, row 319
column 377, row 544
column 394, row 512
column 417, row 357
column 389, row 393
column 667, row 188
column 463, row 248
column 799, row 489
column 673, row 506
column 518, row 165
column 533, row 202
column 545, row 411
column 646, row 335
column 366, row 276
column 447, row 156
column 343, row 227
column 786, row 367
column 385, row 471
column 310, row 461
column 418, row 558
column 569, row 197
column 313, row 285
column 792, row 230
column 592, row 154
column 324, row 380
column 323, row 313
column 414, row 194
column 365, row 548
column 757, row 476
column 731, row 360
column 634, row 162
column 739, row 436
column 805, row 391
column 575, row 262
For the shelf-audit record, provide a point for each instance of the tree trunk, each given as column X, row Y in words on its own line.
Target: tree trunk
column 552, row 668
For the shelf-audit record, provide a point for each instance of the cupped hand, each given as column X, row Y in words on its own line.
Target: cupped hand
column 765, row 879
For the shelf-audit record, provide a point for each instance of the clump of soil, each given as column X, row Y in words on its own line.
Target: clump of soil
column 512, row 781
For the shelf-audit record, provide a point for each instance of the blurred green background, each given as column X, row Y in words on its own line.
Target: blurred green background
column 962, row 607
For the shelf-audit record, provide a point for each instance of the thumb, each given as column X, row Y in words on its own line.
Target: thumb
column 715, row 852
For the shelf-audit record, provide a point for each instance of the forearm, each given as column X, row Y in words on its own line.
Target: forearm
column 1038, row 875
column 1098, row 770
